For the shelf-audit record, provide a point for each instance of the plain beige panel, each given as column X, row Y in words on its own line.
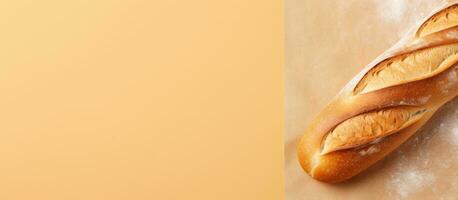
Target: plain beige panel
column 141, row 99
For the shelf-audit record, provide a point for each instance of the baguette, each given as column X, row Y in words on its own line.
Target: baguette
column 386, row 103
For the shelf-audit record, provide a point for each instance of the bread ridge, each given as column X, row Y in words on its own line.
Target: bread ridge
column 428, row 93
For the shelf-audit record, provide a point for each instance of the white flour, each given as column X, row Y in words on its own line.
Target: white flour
column 454, row 135
column 426, row 156
column 411, row 174
column 391, row 10
column 409, row 180
column 401, row 12
column 369, row 151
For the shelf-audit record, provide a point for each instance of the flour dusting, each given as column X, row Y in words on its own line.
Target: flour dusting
column 420, row 165
column 452, row 80
column 371, row 150
column 391, row 10
column 426, row 160
column 454, row 135
column 399, row 12
column 410, row 180
column 452, row 34
column 424, row 100
column 421, row 161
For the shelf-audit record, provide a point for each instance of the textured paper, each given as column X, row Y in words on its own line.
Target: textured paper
column 329, row 42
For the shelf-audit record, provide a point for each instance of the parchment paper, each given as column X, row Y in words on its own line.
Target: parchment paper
column 329, row 42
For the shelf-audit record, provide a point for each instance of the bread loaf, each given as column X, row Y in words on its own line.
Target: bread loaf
column 386, row 103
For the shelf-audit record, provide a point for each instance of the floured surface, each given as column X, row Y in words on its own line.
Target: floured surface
column 427, row 165
column 329, row 42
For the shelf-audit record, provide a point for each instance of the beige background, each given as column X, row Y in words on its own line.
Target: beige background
column 141, row 100
column 327, row 43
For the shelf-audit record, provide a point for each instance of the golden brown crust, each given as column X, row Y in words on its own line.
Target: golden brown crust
column 409, row 67
column 363, row 124
column 367, row 127
column 443, row 19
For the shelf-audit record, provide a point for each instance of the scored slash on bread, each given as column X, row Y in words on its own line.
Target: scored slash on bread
column 386, row 104
column 408, row 67
column 441, row 20
column 365, row 128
